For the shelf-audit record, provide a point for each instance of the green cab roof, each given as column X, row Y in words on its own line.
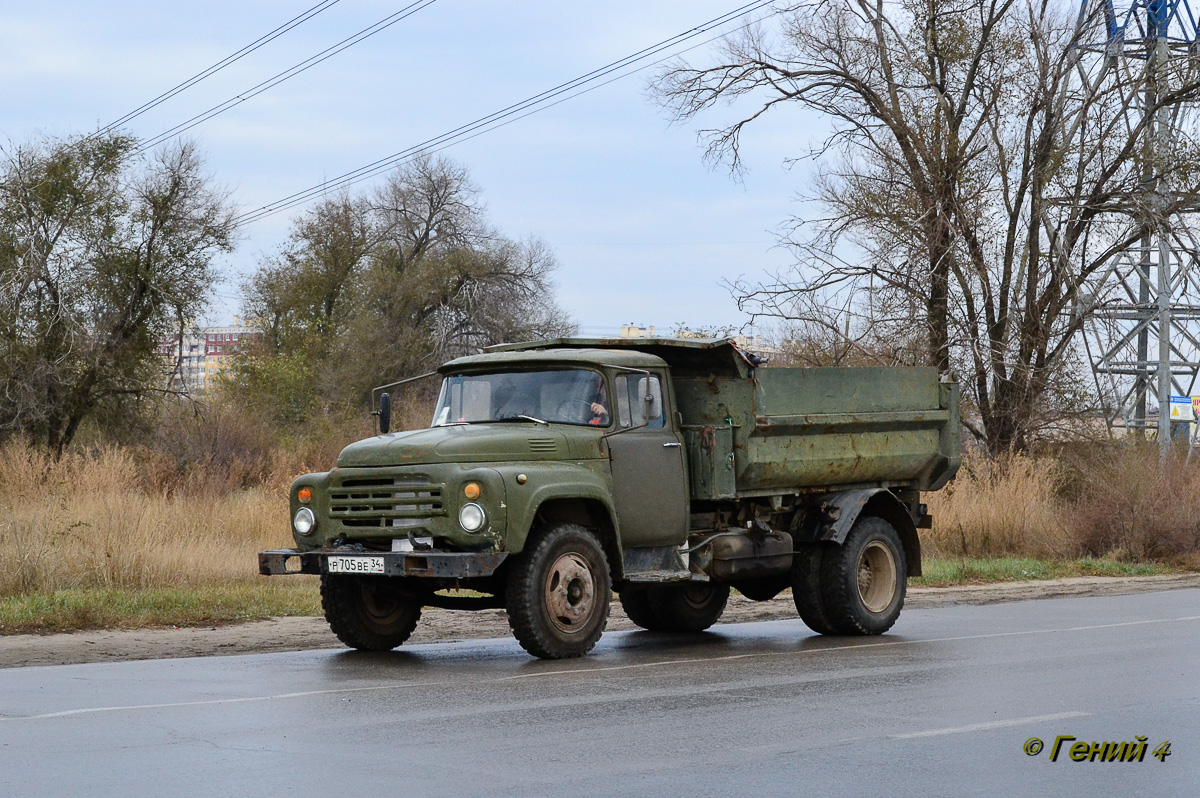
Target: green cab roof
column 586, row 358
column 719, row 356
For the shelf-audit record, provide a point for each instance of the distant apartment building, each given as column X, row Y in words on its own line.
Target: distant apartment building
column 205, row 353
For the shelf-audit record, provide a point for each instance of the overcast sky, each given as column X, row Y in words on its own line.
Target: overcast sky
column 643, row 230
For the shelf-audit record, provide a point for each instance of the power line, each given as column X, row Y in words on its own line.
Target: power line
column 324, row 5
column 288, row 73
column 212, row 70
column 507, row 115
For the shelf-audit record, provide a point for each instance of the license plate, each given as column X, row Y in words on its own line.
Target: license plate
column 354, row 565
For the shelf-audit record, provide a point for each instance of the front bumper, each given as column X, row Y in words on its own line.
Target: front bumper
column 432, row 564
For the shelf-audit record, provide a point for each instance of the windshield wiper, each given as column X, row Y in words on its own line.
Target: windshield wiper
column 522, row 417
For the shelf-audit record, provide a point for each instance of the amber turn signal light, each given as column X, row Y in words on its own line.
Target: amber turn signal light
column 472, row 491
column 304, row 495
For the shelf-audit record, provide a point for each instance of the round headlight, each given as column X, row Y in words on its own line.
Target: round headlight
column 304, row 522
column 472, row 517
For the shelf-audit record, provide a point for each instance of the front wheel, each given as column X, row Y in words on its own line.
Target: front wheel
column 370, row 613
column 558, row 592
column 863, row 580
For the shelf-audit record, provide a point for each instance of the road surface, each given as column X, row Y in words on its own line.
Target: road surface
column 943, row 705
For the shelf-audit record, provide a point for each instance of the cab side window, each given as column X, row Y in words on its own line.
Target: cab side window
column 639, row 400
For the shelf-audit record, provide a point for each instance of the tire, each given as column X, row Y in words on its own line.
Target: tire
column 370, row 613
column 806, row 586
column 690, row 607
column 636, row 603
column 864, row 580
column 558, row 592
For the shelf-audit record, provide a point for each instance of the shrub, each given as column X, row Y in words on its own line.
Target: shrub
column 1133, row 507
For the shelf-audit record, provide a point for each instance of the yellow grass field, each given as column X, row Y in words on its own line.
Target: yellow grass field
column 88, row 521
column 88, row 543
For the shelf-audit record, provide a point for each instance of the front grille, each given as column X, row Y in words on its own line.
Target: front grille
column 408, row 501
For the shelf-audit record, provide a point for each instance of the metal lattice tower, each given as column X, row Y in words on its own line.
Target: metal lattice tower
column 1144, row 334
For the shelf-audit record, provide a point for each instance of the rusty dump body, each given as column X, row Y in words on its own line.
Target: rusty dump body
column 759, row 431
column 667, row 470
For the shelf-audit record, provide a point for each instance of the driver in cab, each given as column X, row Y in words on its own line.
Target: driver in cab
column 599, row 404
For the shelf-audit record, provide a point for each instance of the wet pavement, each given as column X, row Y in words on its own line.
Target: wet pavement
column 943, row 705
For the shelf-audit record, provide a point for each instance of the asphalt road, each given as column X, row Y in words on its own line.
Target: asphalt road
column 941, row 706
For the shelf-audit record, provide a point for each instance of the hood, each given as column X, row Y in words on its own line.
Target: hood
column 473, row 443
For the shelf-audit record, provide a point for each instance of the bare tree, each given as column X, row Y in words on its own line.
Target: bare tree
column 390, row 284
column 968, row 169
column 876, row 332
column 101, row 254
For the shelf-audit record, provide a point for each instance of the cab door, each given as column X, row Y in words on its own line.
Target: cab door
column 648, row 472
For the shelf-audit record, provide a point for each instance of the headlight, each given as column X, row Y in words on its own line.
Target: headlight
column 472, row 517
column 304, row 521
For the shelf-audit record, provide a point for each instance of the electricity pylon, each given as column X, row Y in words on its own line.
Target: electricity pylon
column 1143, row 337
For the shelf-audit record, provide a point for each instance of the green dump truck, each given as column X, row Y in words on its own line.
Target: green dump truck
column 668, row 470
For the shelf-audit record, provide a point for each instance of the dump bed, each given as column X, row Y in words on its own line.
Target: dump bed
column 805, row 429
column 756, row 430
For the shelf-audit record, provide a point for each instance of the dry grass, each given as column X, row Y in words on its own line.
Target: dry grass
column 1001, row 508
column 89, row 521
column 1116, row 502
column 163, row 530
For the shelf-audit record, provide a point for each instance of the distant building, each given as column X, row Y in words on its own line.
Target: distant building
column 205, row 353
column 634, row 331
column 751, row 343
column 183, row 362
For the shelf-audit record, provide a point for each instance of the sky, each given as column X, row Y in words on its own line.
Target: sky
column 644, row 231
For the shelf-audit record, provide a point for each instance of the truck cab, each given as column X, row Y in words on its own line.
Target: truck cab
column 669, row 470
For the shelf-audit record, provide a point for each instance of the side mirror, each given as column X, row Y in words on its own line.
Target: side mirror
column 385, row 413
column 651, row 394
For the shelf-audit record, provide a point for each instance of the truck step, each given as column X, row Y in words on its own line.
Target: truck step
column 658, row 564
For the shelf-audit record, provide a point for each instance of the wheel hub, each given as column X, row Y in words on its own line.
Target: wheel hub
column 380, row 605
column 877, row 577
column 570, row 592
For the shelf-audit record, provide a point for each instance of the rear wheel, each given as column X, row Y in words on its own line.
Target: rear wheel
column 863, row 581
column 806, row 586
column 370, row 613
column 558, row 592
column 690, row 607
column 639, row 608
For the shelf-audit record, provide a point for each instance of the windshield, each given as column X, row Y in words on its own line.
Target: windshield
column 567, row 396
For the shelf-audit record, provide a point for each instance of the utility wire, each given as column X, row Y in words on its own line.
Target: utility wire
column 512, row 113
column 217, row 67
column 288, row 73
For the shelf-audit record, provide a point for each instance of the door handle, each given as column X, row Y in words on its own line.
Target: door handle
column 673, row 444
